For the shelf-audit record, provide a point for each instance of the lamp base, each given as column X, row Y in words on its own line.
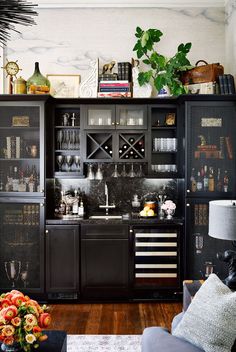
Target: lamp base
column 230, row 258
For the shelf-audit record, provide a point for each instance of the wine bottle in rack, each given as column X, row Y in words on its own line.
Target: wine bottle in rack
column 131, row 140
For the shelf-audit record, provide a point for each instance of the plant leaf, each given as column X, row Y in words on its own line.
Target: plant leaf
column 144, row 77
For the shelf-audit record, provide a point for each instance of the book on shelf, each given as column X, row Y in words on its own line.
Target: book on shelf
column 114, row 89
column 114, row 84
column 114, row 94
column 124, row 71
column 226, row 84
column 107, row 77
column 229, row 147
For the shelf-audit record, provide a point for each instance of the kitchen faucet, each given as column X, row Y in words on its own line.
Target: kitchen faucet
column 107, row 206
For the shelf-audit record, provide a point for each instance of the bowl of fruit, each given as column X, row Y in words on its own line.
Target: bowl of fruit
column 149, row 210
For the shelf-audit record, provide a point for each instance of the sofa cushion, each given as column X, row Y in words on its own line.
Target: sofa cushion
column 157, row 339
column 210, row 320
column 176, row 320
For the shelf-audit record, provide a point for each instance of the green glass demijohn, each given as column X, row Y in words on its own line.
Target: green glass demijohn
column 37, row 83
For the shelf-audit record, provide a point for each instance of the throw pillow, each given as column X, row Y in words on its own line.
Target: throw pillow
column 210, row 320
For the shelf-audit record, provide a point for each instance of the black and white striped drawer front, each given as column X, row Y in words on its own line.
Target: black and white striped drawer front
column 156, row 258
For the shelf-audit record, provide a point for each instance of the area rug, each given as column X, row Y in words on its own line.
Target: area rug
column 104, row 343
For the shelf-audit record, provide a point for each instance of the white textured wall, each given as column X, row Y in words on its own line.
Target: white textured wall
column 230, row 32
column 65, row 39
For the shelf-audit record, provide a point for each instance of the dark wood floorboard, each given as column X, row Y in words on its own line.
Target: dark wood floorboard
column 109, row 318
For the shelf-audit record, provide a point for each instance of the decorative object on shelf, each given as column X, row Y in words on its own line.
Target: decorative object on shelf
column 108, row 67
column 89, row 87
column 169, row 208
column 170, row 119
column 144, row 91
column 163, row 71
column 14, row 12
column 64, row 86
column 202, row 74
column 19, row 86
column 222, row 225
column 11, row 68
column 20, row 121
column 22, row 322
column 37, row 83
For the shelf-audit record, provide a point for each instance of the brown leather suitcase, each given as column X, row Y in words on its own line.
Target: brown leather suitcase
column 202, row 74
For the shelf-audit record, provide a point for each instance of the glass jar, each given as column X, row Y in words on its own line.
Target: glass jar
column 37, row 83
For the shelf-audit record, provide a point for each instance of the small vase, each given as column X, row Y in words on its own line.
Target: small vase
column 164, row 92
column 15, row 347
column 37, row 83
column 169, row 213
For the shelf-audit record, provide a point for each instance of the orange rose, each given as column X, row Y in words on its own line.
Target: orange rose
column 5, row 303
column 16, row 321
column 10, row 312
column 18, row 299
column 16, row 292
column 8, row 330
column 36, row 329
column 31, row 319
column 8, row 340
column 44, row 320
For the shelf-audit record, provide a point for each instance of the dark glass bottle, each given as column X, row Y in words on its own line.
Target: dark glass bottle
column 37, row 83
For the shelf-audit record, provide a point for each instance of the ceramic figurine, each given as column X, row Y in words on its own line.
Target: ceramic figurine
column 144, row 91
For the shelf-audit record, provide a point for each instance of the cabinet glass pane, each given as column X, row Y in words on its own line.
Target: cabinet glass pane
column 19, row 148
column 201, row 248
column 131, row 117
column 211, row 145
column 99, row 117
column 67, row 142
column 19, row 245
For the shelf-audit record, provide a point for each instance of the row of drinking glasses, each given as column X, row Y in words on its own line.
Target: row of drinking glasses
column 16, row 268
column 164, row 168
column 68, row 139
column 68, row 162
column 120, row 170
column 164, row 144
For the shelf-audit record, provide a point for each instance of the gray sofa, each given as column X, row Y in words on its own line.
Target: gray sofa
column 156, row 339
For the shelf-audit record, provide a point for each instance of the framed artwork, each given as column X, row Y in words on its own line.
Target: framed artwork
column 64, row 86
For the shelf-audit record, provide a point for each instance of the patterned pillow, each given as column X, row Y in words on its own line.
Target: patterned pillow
column 210, row 320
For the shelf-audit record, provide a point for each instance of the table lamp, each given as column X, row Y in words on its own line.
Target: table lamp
column 222, row 225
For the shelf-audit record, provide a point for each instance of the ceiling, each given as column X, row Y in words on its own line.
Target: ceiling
column 129, row 3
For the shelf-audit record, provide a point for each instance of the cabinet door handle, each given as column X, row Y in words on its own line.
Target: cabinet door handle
column 113, row 123
column 188, row 191
column 117, row 123
column 187, row 205
column 41, row 205
column 46, row 232
column 42, row 191
column 131, row 231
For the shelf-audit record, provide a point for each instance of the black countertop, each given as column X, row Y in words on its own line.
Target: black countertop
column 73, row 220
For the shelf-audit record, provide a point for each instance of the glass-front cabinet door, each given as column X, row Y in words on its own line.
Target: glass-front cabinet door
column 131, row 117
column 21, row 244
column 211, row 166
column 22, row 148
column 98, row 116
column 201, row 249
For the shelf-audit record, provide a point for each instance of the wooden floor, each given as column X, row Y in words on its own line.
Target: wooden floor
column 118, row 318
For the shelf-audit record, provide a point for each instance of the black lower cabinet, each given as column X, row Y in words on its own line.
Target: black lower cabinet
column 104, row 261
column 62, row 261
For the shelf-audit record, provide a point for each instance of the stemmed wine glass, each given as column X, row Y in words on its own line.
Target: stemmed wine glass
column 123, row 172
column 24, row 274
column 140, row 171
column 131, row 173
column 115, row 172
column 12, row 269
column 59, row 139
column 69, row 161
column 60, row 161
column 77, row 162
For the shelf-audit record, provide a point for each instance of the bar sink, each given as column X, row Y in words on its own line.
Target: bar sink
column 106, row 217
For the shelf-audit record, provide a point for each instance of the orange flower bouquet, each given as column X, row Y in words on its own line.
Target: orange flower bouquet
column 21, row 322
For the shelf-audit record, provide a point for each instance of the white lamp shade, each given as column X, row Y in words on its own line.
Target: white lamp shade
column 222, row 219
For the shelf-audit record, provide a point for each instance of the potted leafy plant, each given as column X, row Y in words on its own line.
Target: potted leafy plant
column 163, row 71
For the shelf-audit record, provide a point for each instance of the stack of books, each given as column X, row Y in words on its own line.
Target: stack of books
column 124, row 71
column 114, row 89
column 226, row 84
